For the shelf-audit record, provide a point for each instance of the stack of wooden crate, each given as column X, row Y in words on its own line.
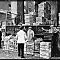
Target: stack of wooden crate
column 30, row 48
column 45, row 50
column 28, row 19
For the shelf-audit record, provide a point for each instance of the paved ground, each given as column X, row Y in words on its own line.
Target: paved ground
column 10, row 55
column 14, row 55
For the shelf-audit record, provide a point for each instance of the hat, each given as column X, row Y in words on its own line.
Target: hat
column 21, row 27
column 30, row 27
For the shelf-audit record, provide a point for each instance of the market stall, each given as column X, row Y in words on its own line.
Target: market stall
column 40, row 45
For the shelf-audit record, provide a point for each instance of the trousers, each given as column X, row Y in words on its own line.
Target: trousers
column 21, row 50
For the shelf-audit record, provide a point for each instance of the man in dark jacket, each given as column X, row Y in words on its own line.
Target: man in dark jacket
column 55, row 44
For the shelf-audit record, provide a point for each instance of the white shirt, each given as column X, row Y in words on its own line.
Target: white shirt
column 21, row 35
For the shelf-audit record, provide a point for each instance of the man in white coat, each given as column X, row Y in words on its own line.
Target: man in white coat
column 21, row 36
column 30, row 34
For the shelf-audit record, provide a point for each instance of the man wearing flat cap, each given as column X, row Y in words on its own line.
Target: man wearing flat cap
column 30, row 34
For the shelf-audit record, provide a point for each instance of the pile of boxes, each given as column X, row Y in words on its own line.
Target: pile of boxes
column 30, row 48
column 44, row 13
column 41, row 9
column 28, row 19
column 45, row 50
column 40, row 13
column 39, row 20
